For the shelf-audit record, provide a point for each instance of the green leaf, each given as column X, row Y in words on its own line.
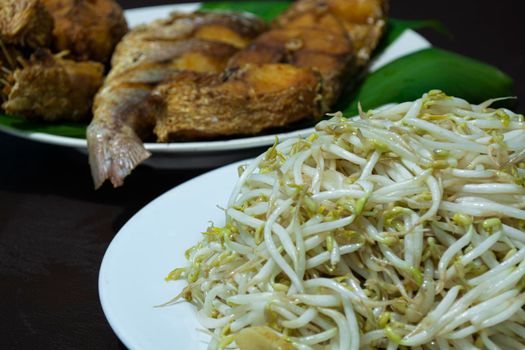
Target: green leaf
column 76, row 130
column 409, row 77
column 267, row 10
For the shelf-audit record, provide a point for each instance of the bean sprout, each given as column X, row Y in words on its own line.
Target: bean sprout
column 398, row 228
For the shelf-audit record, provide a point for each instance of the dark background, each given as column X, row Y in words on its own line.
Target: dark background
column 54, row 228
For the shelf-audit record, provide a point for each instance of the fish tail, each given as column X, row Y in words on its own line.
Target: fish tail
column 113, row 155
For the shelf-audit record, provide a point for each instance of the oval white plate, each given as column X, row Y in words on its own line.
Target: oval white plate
column 146, row 249
column 208, row 154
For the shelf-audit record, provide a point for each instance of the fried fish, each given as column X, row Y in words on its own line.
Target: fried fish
column 201, row 106
column 330, row 39
column 196, row 42
column 292, row 72
column 52, row 88
column 363, row 20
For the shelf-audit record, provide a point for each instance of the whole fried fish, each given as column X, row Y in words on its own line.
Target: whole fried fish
column 199, row 42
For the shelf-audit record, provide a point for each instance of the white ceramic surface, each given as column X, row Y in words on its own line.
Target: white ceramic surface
column 209, row 154
column 146, row 249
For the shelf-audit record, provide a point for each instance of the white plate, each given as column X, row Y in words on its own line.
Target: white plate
column 208, row 154
column 146, row 249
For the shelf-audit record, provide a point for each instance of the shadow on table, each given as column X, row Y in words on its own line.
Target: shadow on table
column 54, row 230
column 40, row 169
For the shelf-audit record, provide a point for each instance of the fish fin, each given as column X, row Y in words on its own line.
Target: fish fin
column 113, row 155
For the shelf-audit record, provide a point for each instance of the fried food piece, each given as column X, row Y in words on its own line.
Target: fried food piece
column 122, row 116
column 26, row 23
column 52, row 88
column 329, row 37
column 9, row 61
column 162, row 40
column 198, row 42
column 363, row 20
column 334, row 37
column 88, row 29
column 241, row 101
column 235, row 29
column 325, row 51
column 169, row 57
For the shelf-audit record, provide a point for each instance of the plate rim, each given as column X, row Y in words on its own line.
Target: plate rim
column 126, row 232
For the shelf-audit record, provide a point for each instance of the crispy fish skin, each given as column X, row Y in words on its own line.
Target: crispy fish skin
column 231, row 28
column 149, row 42
column 88, row 29
column 333, row 38
column 328, row 52
column 189, row 54
column 363, row 20
column 52, row 88
column 25, row 23
column 258, row 95
column 199, row 42
column 122, row 114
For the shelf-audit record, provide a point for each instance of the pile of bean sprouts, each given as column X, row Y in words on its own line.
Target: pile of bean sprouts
column 399, row 228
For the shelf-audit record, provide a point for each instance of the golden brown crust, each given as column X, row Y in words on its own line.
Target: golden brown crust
column 181, row 25
column 242, row 101
column 191, row 54
column 236, row 30
column 328, row 52
column 25, row 23
column 327, row 40
column 124, row 96
column 149, row 54
column 363, row 20
column 53, row 89
column 88, row 29
column 198, row 42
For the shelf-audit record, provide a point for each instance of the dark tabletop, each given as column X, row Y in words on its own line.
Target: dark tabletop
column 54, row 228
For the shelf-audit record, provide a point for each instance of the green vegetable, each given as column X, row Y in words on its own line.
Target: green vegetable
column 267, row 10
column 68, row 129
column 408, row 77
